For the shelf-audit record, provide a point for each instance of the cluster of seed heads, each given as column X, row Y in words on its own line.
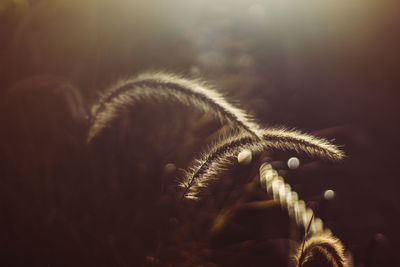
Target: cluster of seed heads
column 249, row 137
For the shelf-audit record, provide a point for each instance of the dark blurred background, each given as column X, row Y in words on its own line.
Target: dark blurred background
column 328, row 67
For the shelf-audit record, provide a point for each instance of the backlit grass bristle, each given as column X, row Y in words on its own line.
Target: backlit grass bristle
column 220, row 156
column 285, row 139
column 213, row 161
column 321, row 250
column 166, row 87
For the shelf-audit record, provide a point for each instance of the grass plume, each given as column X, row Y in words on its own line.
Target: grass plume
column 204, row 169
column 321, row 250
column 166, row 87
column 218, row 157
column 285, row 139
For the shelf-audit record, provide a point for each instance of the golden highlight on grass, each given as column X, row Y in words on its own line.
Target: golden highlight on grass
column 321, row 250
column 220, row 156
column 285, row 139
column 216, row 159
column 155, row 87
column 166, row 87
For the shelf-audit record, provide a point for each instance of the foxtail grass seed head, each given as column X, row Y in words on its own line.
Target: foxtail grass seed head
column 321, row 250
column 285, row 139
column 169, row 88
column 220, row 156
